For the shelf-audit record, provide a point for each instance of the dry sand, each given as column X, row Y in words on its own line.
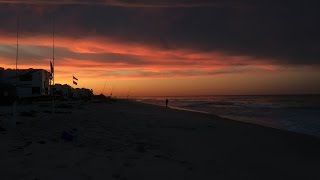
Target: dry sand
column 130, row 140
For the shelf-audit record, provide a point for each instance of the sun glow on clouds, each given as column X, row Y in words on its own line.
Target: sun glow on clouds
column 164, row 47
column 107, row 52
column 93, row 60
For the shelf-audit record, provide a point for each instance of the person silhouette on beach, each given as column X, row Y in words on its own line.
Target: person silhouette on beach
column 167, row 101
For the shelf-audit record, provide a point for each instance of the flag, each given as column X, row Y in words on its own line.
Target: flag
column 75, row 80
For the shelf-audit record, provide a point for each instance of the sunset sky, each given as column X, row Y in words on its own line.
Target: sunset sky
column 169, row 47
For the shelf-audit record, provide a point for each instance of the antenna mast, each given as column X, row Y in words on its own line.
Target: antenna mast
column 53, row 70
column 53, row 49
column 113, row 88
column 17, row 56
column 104, row 87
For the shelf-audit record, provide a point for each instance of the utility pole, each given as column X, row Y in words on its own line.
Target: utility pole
column 17, row 53
column 53, row 49
column 53, row 72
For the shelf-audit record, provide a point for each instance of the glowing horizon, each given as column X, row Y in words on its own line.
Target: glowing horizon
column 148, row 54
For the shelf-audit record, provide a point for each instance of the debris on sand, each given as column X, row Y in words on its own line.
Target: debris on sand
column 28, row 114
column 67, row 135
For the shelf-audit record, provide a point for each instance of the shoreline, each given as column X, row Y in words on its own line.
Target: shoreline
column 231, row 119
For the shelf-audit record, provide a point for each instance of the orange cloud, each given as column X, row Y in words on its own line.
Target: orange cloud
column 93, row 60
column 123, row 59
column 151, row 54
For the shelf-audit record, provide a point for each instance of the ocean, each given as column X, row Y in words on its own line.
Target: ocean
column 297, row 113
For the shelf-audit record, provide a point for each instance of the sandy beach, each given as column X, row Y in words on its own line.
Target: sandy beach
column 130, row 140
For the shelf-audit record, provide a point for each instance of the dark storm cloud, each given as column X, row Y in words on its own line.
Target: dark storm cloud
column 284, row 32
column 36, row 54
column 124, row 3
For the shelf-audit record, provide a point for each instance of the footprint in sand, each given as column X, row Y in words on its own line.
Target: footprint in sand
column 28, row 143
column 118, row 176
column 62, row 166
column 42, row 142
column 128, row 164
column 187, row 164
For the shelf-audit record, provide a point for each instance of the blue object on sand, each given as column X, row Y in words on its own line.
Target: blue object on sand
column 68, row 136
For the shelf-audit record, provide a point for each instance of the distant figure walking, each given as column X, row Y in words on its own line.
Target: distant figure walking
column 167, row 101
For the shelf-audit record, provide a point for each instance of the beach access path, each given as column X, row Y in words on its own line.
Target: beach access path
column 130, row 140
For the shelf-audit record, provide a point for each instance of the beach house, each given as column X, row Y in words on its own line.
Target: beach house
column 82, row 93
column 64, row 91
column 28, row 82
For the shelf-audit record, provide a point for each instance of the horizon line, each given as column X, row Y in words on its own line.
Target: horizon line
column 289, row 94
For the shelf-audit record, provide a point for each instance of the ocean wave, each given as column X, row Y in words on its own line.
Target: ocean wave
column 298, row 113
column 212, row 103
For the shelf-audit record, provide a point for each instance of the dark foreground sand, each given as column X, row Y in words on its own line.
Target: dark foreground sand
column 128, row 140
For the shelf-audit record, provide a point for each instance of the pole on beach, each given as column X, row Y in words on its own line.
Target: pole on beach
column 17, row 53
column 15, row 103
column 104, row 87
column 113, row 88
column 13, row 121
column 53, row 72
column 129, row 93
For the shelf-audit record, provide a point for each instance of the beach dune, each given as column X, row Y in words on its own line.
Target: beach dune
column 131, row 140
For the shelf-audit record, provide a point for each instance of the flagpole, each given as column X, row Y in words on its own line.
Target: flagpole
column 53, row 72
column 72, row 81
column 104, row 87
column 15, row 103
column 17, row 54
column 53, row 48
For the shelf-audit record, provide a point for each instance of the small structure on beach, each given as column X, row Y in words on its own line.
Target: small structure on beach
column 82, row 93
column 64, row 91
column 7, row 93
column 28, row 82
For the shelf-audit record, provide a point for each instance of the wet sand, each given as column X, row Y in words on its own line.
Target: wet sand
column 130, row 140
